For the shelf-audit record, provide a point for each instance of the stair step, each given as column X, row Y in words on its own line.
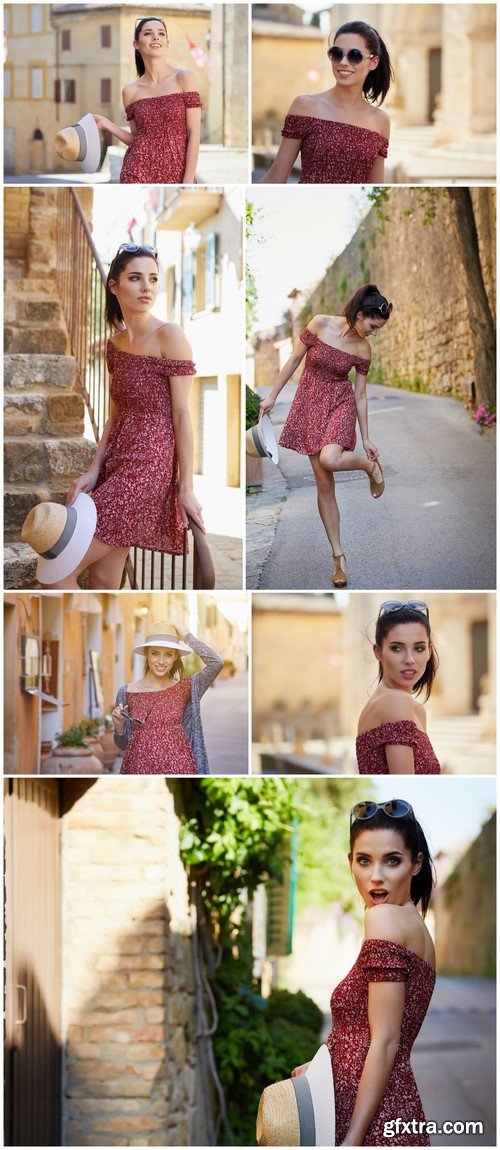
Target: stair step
column 33, row 286
column 35, row 414
column 53, row 461
column 19, row 567
column 37, row 372
column 19, row 501
column 49, row 340
column 25, row 310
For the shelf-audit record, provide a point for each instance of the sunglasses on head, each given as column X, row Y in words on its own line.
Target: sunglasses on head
column 391, row 605
column 146, row 19
column 395, row 809
column 150, row 251
column 354, row 56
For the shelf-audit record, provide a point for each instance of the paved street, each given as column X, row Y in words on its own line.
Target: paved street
column 224, row 711
column 453, row 1059
column 433, row 528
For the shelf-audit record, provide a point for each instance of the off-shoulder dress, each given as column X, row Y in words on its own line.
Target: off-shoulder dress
column 157, row 153
column 333, row 152
column 324, row 408
column 370, row 748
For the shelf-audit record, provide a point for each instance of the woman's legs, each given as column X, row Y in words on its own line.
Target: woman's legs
column 333, row 457
column 327, row 503
column 105, row 565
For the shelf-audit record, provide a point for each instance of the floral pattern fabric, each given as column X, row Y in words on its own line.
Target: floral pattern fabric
column 157, row 153
column 332, row 152
column 136, row 492
column 370, row 748
column 160, row 746
column 324, row 409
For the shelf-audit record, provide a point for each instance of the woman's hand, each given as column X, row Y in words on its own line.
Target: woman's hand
column 371, row 451
column 118, row 718
column 103, row 123
column 189, row 506
column 266, row 406
column 84, row 482
column 300, row 1070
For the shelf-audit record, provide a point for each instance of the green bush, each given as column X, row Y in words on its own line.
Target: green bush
column 252, row 408
column 285, row 1004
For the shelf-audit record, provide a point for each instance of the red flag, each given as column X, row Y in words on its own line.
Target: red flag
column 200, row 57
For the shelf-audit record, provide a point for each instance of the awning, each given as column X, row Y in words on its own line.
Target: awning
column 46, row 698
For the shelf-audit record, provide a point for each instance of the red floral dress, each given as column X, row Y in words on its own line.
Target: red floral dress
column 370, row 748
column 349, row 1039
column 136, row 493
column 160, row 746
column 324, row 409
column 157, row 153
column 332, row 152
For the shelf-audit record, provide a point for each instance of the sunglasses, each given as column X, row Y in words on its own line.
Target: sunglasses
column 395, row 808
column 137, row 248
column 391, row 605
column 146, row 19
column 354, row 56
column 384, row 308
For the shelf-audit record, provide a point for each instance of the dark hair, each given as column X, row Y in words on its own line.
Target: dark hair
column 139, row 62
column 414, row 840
column 369, row 301
column 378, row 81
column 385, row 624
column 112, row 310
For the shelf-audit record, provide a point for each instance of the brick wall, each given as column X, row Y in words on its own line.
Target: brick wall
column 128, row 992
column 427, row 342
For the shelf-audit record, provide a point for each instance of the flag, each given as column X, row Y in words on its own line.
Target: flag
column 200, row 57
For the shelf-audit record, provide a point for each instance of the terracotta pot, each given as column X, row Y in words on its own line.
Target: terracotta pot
column 72, row 761
column 96, row 747
column 46, row 747
column 255, row 473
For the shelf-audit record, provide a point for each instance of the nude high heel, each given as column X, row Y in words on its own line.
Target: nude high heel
column 339, row 576
column 376, row 488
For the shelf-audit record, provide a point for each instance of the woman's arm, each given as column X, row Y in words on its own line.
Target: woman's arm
column 213, row 662
column 121, row 723
column 174, row 345
column 362, row 410
column 283, row 163
column 123, row 134
column 377, row 172
column 397, row 707
column 88, row 481
column 193, row 124
column 385, row 1015
column 285, row 374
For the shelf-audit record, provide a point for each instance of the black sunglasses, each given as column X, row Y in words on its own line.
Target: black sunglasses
column 395, row 808
column 354, row 55
column 391, row 605
column 146, row 19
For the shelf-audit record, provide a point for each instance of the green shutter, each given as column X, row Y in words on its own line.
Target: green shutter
column 187, row 285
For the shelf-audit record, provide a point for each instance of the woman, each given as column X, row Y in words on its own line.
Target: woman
column 164, row 110
column 392, row 737
column 322, row 419
column 378, row 1009
column 141, row 480
column 157, row 720
column 341, row 136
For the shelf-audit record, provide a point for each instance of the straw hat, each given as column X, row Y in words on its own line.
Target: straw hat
column 300, row 1111
column 261, row 440
column 163, row 635
column 60, row 535
column 81, row 143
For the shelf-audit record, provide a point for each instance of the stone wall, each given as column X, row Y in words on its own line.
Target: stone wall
column 128, row 988
column 427, row 343
column 465, row 911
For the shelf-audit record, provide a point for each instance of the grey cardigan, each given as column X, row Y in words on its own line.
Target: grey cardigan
column 192, row 714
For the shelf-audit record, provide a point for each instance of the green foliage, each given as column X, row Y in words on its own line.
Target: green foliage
column 282, row 1003
column 427, row 204
column 251, row 214
column 322, row 872
column 73, row 737
column 379, row 197
column 252, row 404
column 90, row 727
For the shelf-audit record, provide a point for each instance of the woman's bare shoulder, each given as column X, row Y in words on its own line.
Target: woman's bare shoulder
column 173, row 342
column 130, row 93
column 381, row 122
column 302, row 105
column 390, row 707
column 387, row 922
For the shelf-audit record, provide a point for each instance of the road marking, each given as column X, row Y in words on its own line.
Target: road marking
column 385, row 410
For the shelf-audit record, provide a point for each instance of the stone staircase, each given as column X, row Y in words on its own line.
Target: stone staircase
column 462, row 746
column 44, row 448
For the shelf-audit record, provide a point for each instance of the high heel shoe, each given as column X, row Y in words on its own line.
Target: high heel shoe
column 376, row 488
column 339, row 576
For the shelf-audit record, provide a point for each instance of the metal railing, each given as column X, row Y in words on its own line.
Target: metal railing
column 81, row 283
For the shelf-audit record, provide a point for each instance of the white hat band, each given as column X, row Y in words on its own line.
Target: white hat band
column 65, row 536
column 161, row 638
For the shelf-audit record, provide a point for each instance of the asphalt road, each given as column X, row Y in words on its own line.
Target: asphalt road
column 434, row 526
column 224, row 711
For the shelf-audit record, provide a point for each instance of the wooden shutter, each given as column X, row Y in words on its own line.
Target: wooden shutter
column 187, row 285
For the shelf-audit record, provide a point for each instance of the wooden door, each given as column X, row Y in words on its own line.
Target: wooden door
column 32, row 932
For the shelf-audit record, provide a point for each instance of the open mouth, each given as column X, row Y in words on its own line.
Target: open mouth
column 379, row 895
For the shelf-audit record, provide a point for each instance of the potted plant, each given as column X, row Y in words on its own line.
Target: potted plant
column 90, row 729
column 72, row 756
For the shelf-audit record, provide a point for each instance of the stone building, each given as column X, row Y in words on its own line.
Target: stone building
column 464, row 910
column 100, row 943
column 65, row 60
column 287, row 58
column 412, row 251
column 327, row 640
column 80, row 650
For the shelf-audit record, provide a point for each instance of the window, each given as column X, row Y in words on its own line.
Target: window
column 36, row 83
column 105, row 35
column 66, row 40
column 7, row 83
column 187, row 285
column 36, row 18
column 65, row 92
column 206, row 285
column 105, row 91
